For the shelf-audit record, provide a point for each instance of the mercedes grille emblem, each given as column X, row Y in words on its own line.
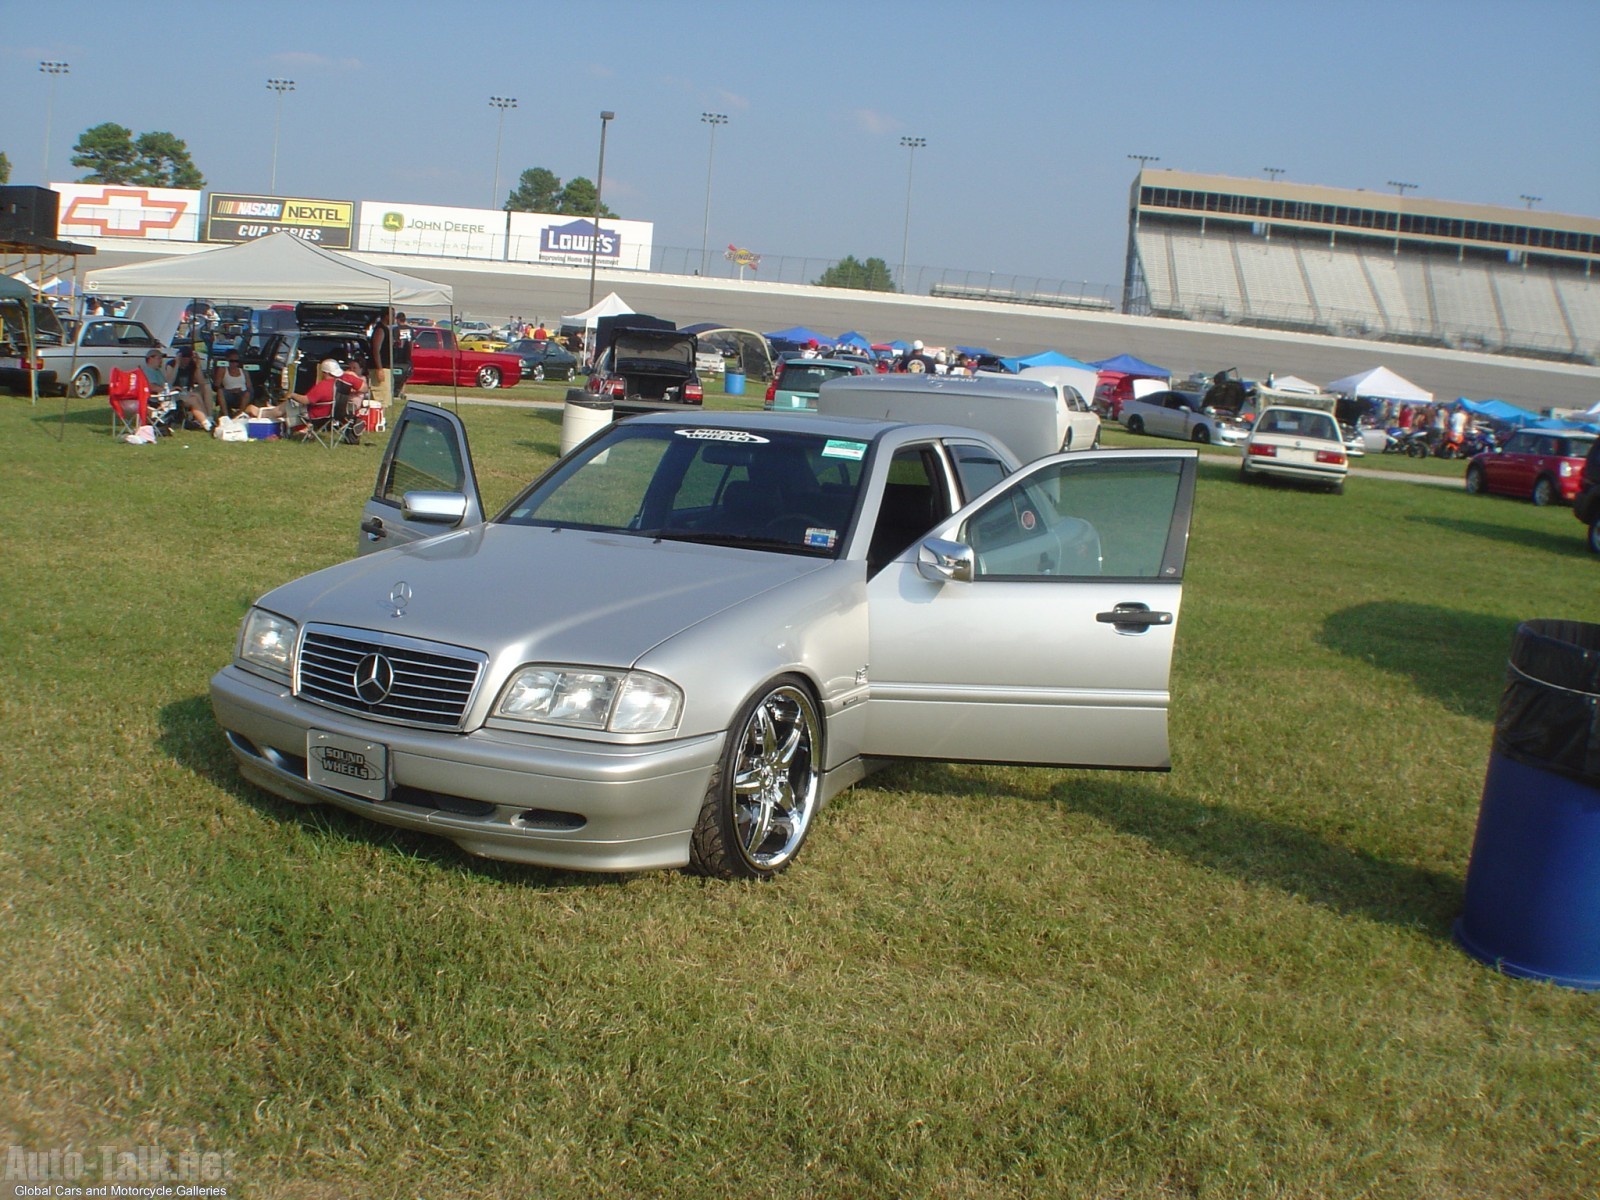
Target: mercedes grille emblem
column 373, row 679
column 399, row 597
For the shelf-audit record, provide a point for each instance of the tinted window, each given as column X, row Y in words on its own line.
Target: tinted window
column 809, row 375
column 428, row 459
column 977, row 467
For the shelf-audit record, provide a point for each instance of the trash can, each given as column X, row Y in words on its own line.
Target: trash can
column 733, row 383
column 1533, row 884
column 584, row 413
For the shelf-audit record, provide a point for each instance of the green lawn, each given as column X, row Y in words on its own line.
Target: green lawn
column 1236, row 979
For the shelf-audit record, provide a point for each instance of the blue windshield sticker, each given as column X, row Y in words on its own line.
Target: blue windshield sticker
column 836, row 448
column 821, row 539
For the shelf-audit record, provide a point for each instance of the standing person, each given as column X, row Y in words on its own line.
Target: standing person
column 383, row 359
column 403, row 335
column 540, row 333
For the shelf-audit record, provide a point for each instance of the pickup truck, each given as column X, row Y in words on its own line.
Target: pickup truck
column 437, row 359
column 78, row 353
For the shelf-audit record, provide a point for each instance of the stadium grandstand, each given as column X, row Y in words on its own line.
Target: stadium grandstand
column 1356, row 263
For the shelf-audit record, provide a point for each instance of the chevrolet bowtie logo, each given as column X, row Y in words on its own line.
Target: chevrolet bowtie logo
column 122, row 212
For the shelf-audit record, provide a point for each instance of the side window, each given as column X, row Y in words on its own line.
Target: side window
column 1075, row 520
column 131, row 334
column 978, row 468
column 915, row 499
column 1074, row 399
column 428, row 459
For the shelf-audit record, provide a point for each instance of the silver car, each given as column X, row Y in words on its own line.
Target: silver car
column 678, row 643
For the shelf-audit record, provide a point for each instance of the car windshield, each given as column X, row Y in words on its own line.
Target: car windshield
column 774, row 490
column 1298, row 424
column 809, row 376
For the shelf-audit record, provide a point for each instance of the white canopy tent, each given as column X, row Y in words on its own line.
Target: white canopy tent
column 612, row 306
column 1380, row 383
column 279, row 266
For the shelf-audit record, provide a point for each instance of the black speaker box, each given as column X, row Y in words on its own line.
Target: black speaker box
column 28, row 212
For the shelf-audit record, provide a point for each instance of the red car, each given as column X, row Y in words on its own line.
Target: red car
column 435, row 358
column 1542, row 466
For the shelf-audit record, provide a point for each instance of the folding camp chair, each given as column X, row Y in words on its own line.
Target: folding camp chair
column 129, row 394
column 342, row 425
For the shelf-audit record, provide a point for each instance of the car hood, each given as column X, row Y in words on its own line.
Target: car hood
column 525, row 593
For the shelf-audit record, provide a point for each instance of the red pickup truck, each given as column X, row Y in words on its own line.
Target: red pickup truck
column 435, row 358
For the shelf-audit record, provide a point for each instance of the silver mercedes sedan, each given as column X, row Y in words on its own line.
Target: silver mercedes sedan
column 678, row 643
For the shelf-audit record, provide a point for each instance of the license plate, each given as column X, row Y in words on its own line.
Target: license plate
column 348, row 764
column 1295, row 455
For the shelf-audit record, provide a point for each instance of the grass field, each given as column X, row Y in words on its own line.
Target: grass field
column 1236, row 979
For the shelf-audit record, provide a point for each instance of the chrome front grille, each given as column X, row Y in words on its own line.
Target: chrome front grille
column 388, row 676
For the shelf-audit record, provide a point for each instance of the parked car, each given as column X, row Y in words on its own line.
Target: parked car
column 483, row 340
column 1545, row 467
column 679, row 642
column 543, row 359
column 436, row 359
column 1302, row 444
column 643, row 358
column 285, row 362
column 1180, row 415
column 79, row 354
column 799, row 379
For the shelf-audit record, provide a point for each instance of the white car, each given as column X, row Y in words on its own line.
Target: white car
column 1180, row 415
column 1072, row 385
column 1302, row 444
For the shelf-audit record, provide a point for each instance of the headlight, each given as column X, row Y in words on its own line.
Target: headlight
column 266, row 643
column 618, row 701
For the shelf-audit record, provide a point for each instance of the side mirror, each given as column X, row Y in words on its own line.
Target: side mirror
column 943, row 561
column 434, row 508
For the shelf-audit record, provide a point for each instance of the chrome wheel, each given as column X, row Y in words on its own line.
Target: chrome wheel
column 84, row 384
column 488, row 377
column 759, row 806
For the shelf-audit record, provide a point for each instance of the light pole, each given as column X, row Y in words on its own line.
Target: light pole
column 1401, row 189
column 1532, row 200
column 912, row 145
column 599, row 183
column 502, row 103
column 1274, row 172
column 52, row 69
column 713, row 120
column 280, row 86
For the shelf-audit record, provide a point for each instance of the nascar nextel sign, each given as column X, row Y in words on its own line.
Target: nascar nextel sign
column 236, row 218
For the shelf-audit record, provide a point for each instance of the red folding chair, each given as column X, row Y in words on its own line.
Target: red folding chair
column 128, row 390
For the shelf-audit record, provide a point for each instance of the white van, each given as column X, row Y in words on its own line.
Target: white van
column 1032, row 417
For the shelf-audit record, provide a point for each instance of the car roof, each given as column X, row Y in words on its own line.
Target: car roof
column 858, row 429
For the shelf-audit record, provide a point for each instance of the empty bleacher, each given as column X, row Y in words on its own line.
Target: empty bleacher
column 1533, row 317
column 1274, row 289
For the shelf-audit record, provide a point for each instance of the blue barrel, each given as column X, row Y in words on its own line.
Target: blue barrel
column 1532, row 906
column 733, row 383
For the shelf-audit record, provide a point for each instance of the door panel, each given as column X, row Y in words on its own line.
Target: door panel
column 1058, row 651
column 427, row 452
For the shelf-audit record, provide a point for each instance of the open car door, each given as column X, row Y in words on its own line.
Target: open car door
column 425, row 484
column 1036, row 625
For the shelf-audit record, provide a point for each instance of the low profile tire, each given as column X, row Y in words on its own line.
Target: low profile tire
column 84, row 384
column 538, row 374
column 1135, row 424
column 1201, row 434
column 488, row 378
column 1544, row 491
column 765, row 790
column 1475, row 480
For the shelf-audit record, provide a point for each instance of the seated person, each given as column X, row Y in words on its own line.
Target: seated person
column 232, row 384
column 319, row 403
column 185, row 375
column 160, row 380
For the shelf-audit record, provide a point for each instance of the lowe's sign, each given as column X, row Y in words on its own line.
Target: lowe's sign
column 579, row 238
column 563, row 241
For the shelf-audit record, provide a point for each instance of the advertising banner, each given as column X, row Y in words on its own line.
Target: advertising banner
column 231, row 217
column 125, row 211
column 391, row 228
column 571, row 241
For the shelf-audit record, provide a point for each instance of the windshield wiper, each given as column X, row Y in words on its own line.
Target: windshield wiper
column 724, row 538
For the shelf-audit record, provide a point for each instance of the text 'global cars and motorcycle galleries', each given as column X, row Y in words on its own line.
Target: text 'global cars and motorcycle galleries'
column 721, row 621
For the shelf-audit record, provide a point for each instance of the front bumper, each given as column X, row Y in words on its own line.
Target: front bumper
column 529, row 798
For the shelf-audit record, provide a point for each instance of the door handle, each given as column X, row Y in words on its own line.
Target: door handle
column 1133, row 616
column 373, row 528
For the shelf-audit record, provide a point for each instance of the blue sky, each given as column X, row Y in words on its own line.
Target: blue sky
column 1029, row 108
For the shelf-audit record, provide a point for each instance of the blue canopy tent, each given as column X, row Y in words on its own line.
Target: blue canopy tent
column 1127, row 364
column 1045, row 358
column 854, row 339
column 798, row 335
column 1499, row 412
